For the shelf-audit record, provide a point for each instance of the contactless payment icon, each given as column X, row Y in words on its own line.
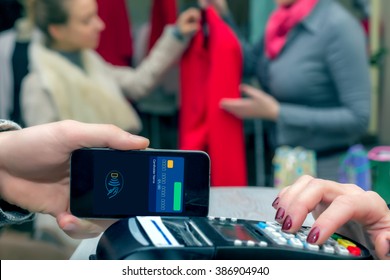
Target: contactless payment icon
column 114, row 183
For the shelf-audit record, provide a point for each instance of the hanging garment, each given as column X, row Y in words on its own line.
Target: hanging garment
column 116, row 45
column 211, row 70
column 163, row 12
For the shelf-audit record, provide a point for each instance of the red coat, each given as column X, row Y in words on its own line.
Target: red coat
column 211, row 69
column 116, row 44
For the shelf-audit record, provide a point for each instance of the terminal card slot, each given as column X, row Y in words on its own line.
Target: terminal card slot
column 187, row 232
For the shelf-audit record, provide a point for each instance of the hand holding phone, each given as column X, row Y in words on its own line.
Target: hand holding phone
column 106, row 183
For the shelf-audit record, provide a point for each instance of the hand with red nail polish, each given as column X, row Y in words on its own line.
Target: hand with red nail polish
column 333, row 205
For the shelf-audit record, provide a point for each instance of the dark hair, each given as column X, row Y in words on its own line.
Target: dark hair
column 47, row 12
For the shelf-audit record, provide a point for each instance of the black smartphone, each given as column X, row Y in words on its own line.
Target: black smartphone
column 107, row 183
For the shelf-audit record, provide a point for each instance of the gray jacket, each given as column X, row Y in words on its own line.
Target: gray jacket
column 321, row 79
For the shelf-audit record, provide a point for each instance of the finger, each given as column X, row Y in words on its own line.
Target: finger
column 275, row 203
column 345, row 208
column 236, row 106
column 296, row 187
column 231, row 105
column 232, row 102
column 296, row 214
column 304, row 196
column 287, row 194
column 250, row 91
column 382, row 245
column 77, row 135
column 80, row 228
column 309, row 189
column 282, row 191
column 194, row 14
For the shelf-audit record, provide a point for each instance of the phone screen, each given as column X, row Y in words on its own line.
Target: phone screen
column 110, row 183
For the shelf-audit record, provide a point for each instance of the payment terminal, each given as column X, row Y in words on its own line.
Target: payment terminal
column 165, row 238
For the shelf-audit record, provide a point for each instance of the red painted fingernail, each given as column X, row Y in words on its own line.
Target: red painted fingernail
column 276, row 202
column 279, row 214
column 313, row 235
column 287, row 223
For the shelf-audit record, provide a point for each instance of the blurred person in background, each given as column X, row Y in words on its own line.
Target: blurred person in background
column 69, row 80
column 14, row 42
column 313, row 70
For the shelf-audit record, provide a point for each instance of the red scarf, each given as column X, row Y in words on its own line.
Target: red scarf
column 282, row 21
column 210, row 70
column 163, row 12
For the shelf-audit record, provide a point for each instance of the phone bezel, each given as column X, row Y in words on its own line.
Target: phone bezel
column 196, row 178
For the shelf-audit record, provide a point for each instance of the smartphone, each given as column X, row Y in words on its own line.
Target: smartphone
column 107, row 183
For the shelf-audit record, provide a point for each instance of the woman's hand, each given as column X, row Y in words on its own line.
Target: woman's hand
column 258, row 104
column 332, row 205
column 34, row 167
column 188, row 22
column 220, row 6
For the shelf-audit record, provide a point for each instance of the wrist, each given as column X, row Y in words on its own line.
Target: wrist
column 9, row 213
column 178, row 34
column 5, row 126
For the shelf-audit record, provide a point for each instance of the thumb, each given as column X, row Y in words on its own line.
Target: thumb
column 77, row 135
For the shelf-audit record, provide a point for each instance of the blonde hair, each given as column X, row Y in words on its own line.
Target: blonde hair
column 44, row 13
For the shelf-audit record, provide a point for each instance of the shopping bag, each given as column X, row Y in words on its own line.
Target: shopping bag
column 290, row 163
column 379, row 158
column 355, row 167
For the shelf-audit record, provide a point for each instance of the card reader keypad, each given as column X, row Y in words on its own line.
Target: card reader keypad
column 335, row 245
